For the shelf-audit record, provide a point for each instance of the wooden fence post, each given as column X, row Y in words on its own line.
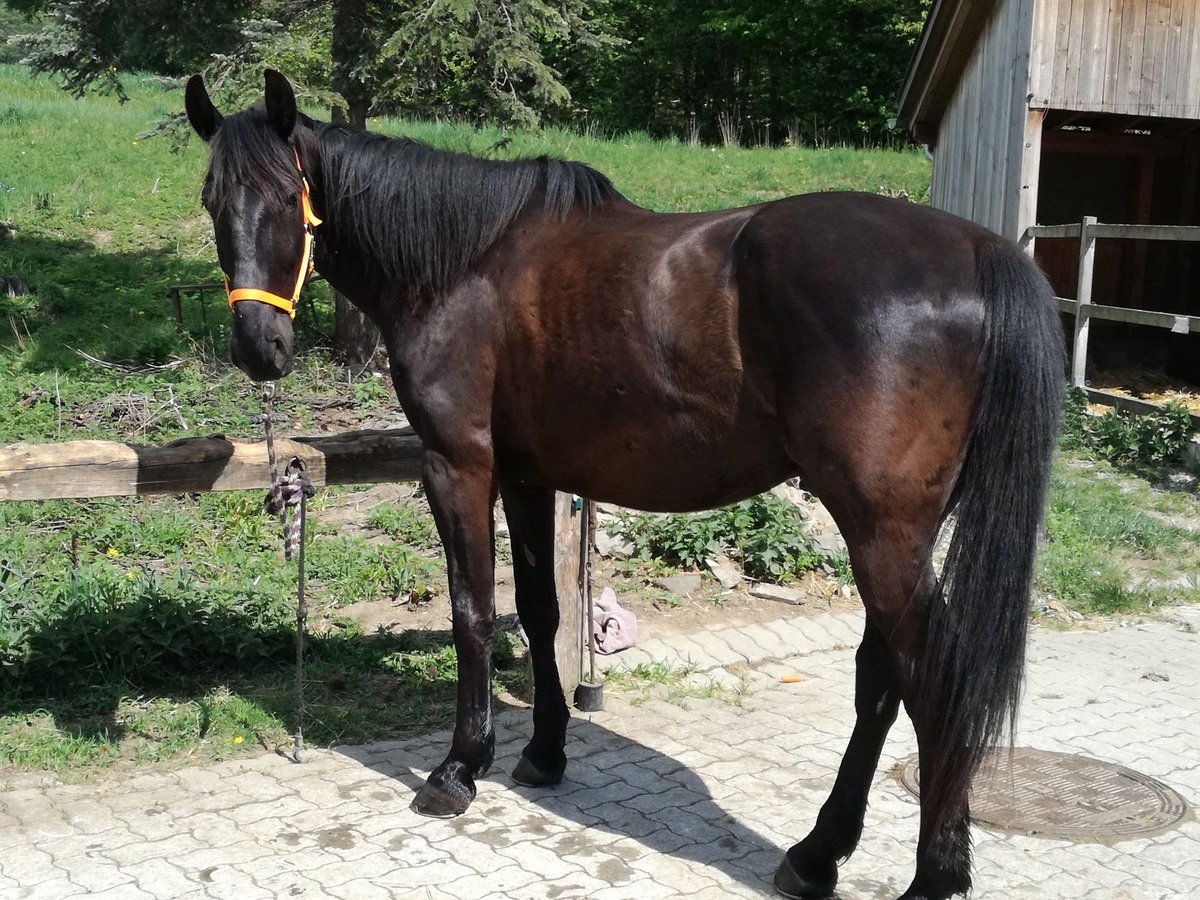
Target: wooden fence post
column 1083, row 299
column 177, row 306
column 568, row 643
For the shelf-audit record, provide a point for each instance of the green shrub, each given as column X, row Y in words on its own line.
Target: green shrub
column 1155, row 439
column 99, row 625
column 765, row 533
column 406, row 523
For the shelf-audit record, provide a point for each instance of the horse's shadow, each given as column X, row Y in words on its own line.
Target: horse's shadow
column 612, row 783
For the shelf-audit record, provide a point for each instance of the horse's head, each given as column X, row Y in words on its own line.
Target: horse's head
column 258, row 197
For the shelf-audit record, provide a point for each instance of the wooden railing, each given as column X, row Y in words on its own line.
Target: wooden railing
column 1084, row 310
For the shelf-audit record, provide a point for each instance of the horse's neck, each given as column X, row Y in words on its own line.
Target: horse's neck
column 350, row 263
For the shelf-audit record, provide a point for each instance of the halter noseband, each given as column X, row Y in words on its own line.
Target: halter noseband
column 288, row 305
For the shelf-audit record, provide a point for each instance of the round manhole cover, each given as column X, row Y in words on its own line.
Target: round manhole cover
column 1066, row 796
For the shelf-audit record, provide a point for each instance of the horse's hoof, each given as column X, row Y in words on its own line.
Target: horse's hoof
column 814, row 881
column 444, row 799
column 922, row 894
column 530, row 775
column 944, row 887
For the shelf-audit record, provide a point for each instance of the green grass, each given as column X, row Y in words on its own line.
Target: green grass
column 108, row 222
column 1106, row 551
column 670, row 176
column 674, row 684
column 407, row 523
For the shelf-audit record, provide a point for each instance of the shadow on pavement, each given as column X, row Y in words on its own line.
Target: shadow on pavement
column 613, row 786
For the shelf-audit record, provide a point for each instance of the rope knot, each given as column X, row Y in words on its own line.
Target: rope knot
column 283, row 500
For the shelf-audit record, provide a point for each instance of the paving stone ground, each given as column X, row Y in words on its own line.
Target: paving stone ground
column 661, row 800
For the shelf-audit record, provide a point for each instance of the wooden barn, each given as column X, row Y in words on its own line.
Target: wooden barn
column 1042, row 112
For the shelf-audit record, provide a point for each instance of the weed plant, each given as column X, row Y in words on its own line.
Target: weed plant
column 1144, row 441
column 765, row 534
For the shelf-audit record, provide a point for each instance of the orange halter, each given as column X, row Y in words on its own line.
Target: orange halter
column 288, row 305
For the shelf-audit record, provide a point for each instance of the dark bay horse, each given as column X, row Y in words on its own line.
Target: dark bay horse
column 547, row 334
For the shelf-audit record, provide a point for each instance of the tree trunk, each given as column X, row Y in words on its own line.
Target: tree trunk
column 355, row 338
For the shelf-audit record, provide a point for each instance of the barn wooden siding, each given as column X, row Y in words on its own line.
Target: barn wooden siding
column 1130, row 57
column 982, row 168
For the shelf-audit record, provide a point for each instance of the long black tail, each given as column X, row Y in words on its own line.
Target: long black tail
column 974, row 655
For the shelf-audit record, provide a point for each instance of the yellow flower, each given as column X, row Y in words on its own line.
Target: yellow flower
column 238, row 739
column 112, row 553
column 129, row 575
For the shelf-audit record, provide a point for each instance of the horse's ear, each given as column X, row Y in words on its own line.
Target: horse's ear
column 200, row 110
column 281, row 104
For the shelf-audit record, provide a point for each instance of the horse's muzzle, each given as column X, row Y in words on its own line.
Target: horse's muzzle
column 262, row 342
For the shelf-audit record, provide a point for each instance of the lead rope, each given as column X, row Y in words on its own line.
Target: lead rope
column 287, row 500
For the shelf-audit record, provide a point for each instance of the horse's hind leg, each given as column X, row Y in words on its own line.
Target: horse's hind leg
column 810, row 867
column 531, row 527
column 895, row 590
column 900, row 607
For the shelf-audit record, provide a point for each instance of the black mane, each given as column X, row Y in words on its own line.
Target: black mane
column 422, row 215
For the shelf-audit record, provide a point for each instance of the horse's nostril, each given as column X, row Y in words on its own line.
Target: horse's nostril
column 282, row 356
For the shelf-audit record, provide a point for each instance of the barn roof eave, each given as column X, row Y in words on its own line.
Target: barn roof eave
column 951, row 31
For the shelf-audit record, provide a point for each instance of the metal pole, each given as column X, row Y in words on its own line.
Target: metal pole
column 589, row 695
column 585, row 586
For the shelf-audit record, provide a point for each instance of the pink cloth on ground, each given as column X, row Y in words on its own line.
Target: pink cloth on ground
column 614, row 627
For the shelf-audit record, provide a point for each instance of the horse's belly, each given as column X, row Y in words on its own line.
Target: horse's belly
column 664, row 466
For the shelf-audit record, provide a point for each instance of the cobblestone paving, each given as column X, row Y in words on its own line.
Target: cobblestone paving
column 661, row 800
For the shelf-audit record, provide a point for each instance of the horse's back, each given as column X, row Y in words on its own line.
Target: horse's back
column 861, row 248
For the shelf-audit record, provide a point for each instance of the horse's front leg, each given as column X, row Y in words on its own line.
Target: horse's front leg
column 460, row 487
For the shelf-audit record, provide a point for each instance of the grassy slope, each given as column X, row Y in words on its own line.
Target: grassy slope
column 184, row 599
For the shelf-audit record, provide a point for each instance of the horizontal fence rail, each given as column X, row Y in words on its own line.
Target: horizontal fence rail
column 1141, row 408
column 1106, row 230
column 84, row 469
column 1178, row 324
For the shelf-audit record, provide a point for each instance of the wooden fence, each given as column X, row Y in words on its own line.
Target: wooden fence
column 1088, row 231
column 178, row 290
column 86, row 469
